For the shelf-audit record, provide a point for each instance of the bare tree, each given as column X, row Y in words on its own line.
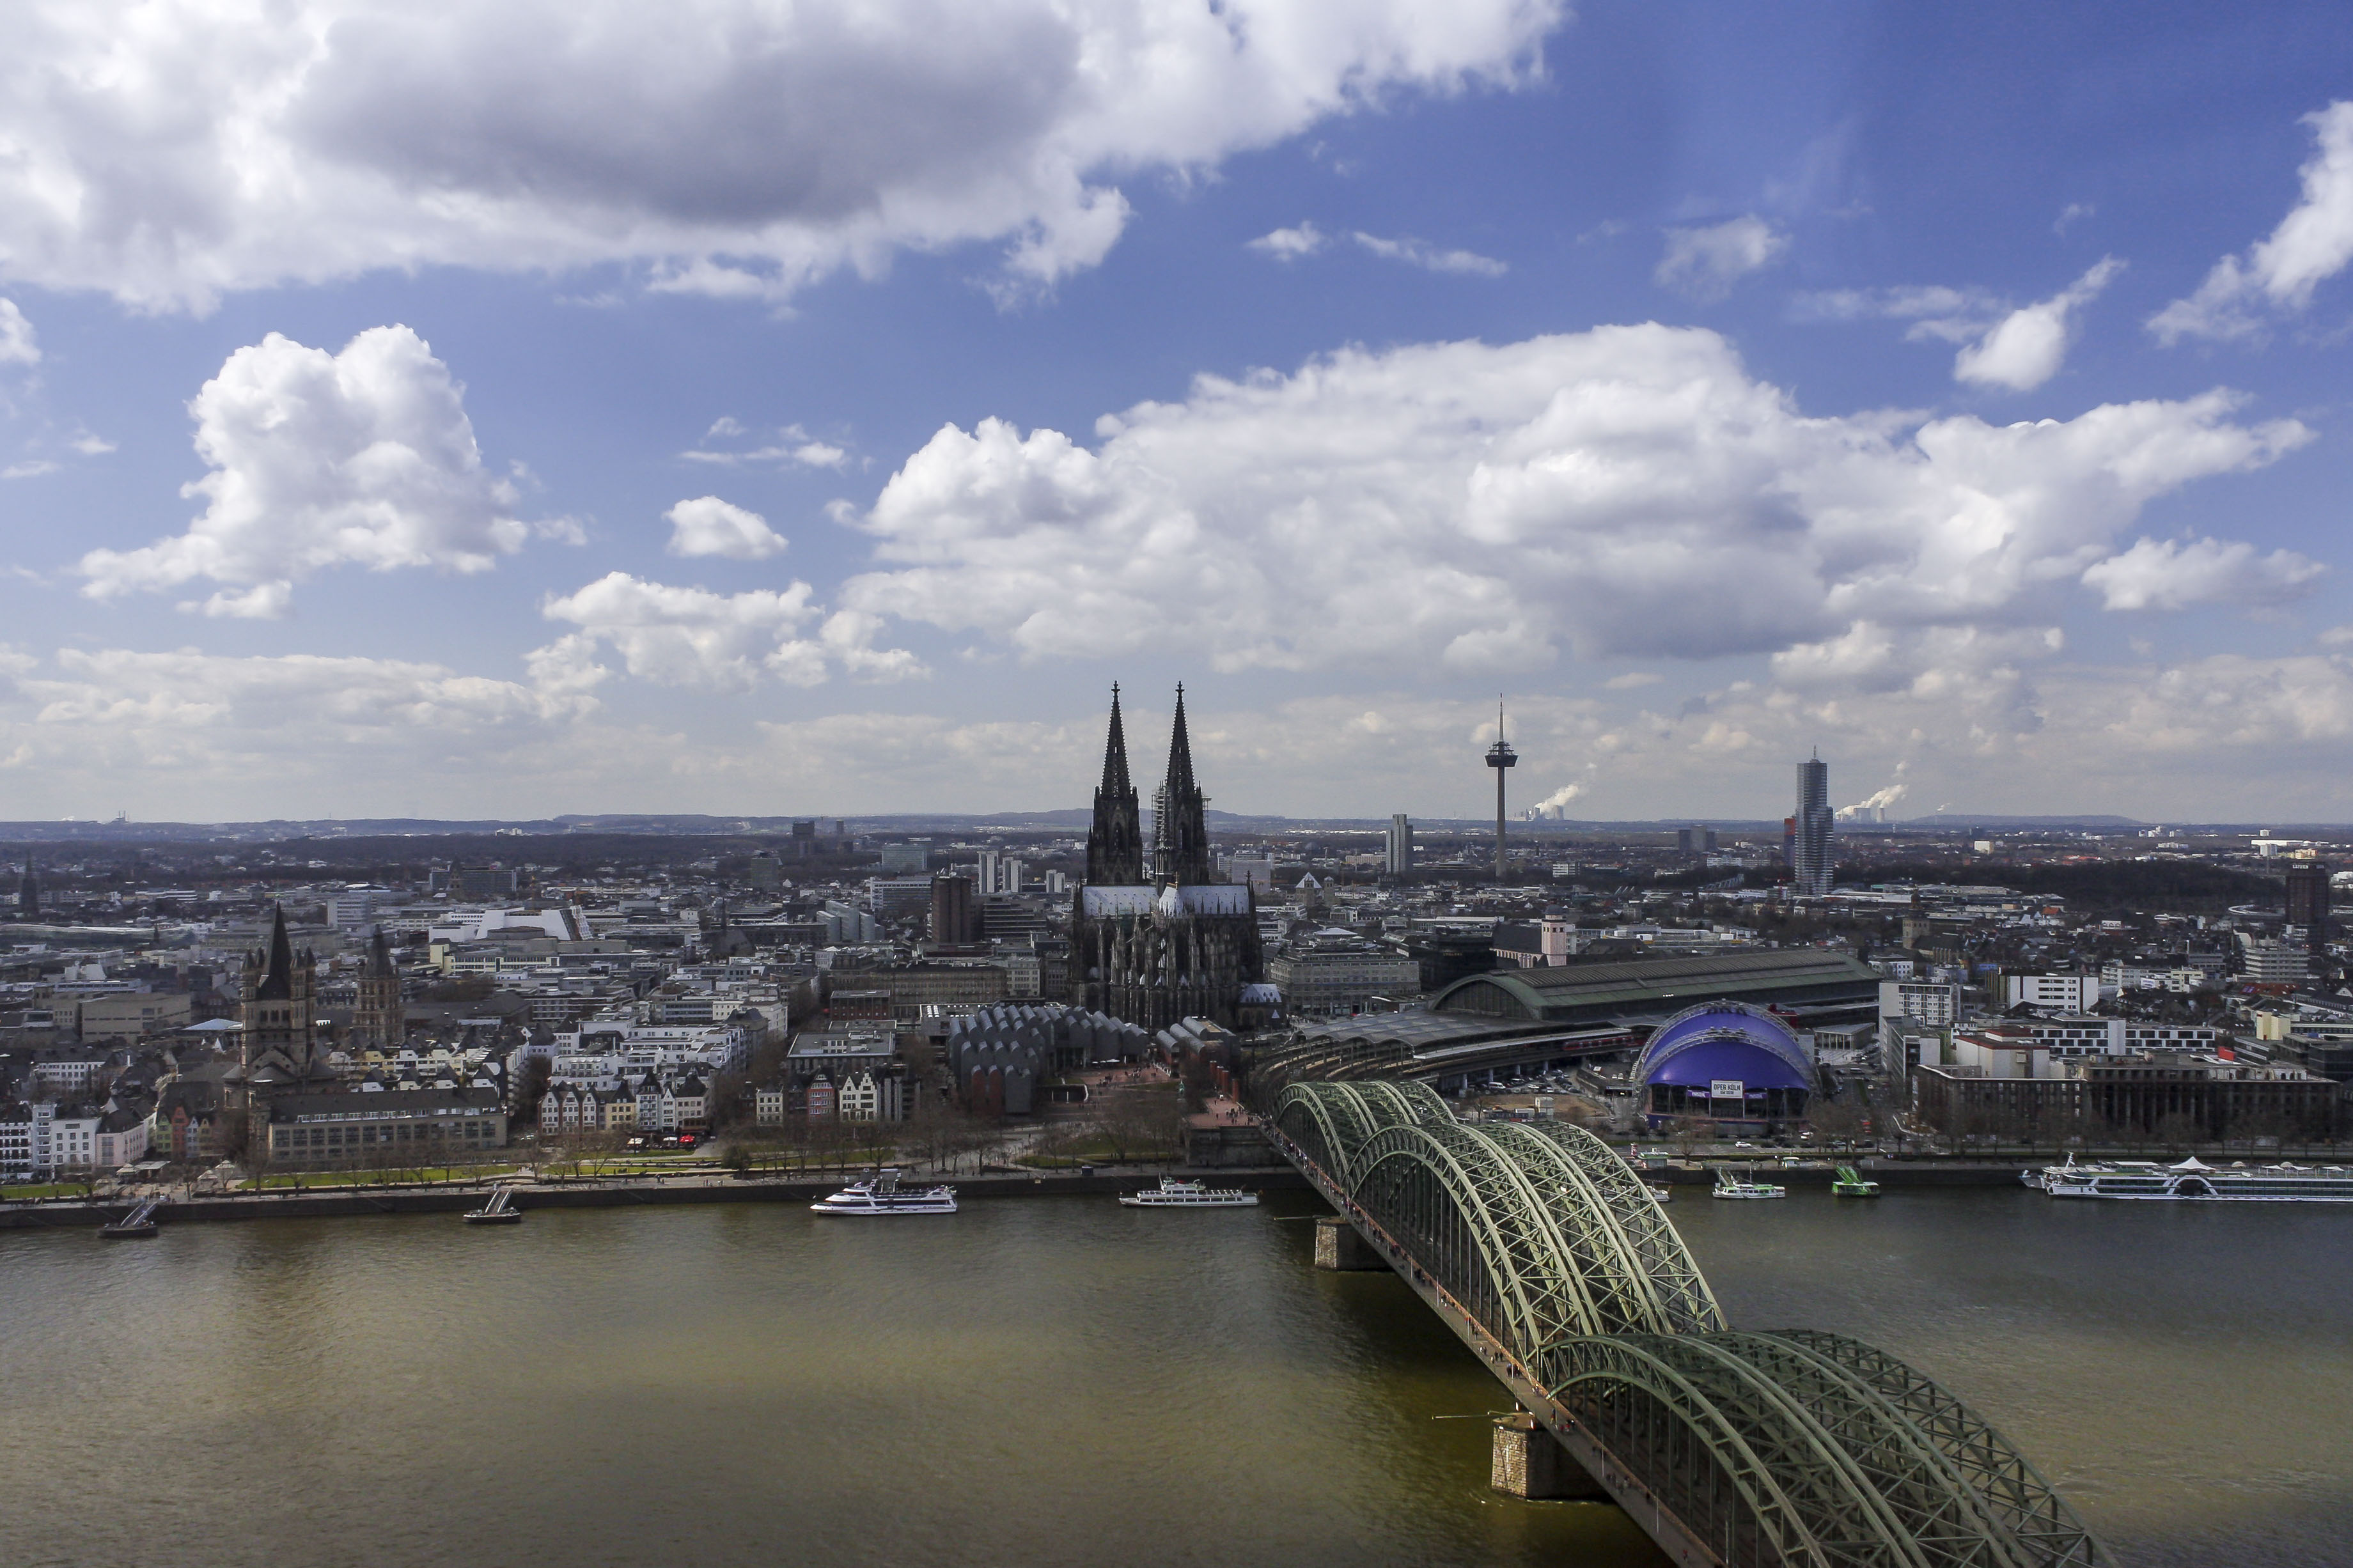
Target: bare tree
column 2178, row 1132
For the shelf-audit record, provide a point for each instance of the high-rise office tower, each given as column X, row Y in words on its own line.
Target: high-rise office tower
column 1400, row 844
column 1809, row 861
column 2307, row 904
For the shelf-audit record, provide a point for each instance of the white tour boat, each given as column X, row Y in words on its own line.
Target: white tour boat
column 1172, row 1194
column 2194, row 1181
column 883, row 1195
column 1736, row 1184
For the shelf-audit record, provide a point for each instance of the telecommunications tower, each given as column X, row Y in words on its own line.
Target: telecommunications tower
column 1500, row 757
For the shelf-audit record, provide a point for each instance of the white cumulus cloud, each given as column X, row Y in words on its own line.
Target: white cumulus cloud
column 1306, row 240
column 1704, row 263
column 793, row 447
column 1430, row 257
column 17, row 345
column 709, row 526
column 2170, row 575
column 1628, row 491
column 693, row 637
column 741, row 147
column 364, row 457
column 1290, row 244
column 2277, row 275
column 2027, row 347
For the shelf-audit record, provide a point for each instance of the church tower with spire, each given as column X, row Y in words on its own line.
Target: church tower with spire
column 1180, row 827
column 281, row 1012
column 1115, row 842
column 379, row 1023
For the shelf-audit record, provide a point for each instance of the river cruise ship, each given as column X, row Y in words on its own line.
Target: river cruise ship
column 2194, row 1181
column 1174, row 1194
column 883, row 1195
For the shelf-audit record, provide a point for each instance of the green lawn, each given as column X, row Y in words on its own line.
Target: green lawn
column 45, row 1190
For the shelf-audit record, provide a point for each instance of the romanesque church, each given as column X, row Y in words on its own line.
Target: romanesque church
column 1171, row 940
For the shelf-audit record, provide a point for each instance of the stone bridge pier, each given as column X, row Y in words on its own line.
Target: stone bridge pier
column 1529, row 1462
column 1339, row 1247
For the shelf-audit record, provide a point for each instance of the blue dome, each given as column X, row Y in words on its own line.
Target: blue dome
column 1724, row 1040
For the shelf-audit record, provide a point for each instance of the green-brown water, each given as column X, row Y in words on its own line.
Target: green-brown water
column 1065, row 1382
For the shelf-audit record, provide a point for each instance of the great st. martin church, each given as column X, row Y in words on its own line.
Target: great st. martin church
column 1173, row 940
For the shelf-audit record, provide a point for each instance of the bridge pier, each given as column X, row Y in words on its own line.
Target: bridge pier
column 1338, row 1247
column 1529, row 1462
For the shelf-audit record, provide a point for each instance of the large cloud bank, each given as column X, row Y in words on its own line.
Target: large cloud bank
column 1629, row 491
column 173, row 150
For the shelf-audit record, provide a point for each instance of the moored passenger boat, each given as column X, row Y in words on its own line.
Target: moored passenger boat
column 883, row 1195
column 2194, row 1181
column 1172, row 1194
column 1730, row 1183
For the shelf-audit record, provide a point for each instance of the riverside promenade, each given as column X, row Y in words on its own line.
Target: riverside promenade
column 607, row 1191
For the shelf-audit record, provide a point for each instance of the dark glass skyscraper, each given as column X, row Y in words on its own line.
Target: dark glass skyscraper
column 1811, row 866
column 2308, row 903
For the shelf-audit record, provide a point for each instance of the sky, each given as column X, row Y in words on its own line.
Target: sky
column 749, row 407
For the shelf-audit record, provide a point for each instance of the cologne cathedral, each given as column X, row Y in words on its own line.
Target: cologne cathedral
column 1157, row 935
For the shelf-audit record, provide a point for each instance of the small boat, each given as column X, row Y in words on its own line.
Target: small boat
column 882, row 1194
column 499, row 1210
column 1659, row 1195
column 1850, row 1183
column 1174, row 1194
column 1733, row 1184
column 139, row 1221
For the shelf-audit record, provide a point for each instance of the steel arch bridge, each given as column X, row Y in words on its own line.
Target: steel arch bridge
column 1547, row 1253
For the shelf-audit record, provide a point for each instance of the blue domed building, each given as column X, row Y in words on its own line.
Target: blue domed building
column 1725, row 1062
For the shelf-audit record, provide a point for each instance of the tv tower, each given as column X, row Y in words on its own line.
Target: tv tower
column 1500, row 757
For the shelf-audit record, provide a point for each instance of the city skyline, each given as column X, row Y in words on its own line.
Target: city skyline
column 1715, row 387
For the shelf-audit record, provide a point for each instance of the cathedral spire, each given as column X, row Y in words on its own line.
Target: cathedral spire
column 1180, row 829
column 1115, row 842
column 1114, row 780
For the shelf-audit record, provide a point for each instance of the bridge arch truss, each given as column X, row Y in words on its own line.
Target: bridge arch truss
column 1552, row 1258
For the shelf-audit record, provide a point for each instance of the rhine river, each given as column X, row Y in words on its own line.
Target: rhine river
column 1065, row 1383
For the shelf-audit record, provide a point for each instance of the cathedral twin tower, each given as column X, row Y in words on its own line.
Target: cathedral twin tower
column 1180, row 830
column 1159, row 943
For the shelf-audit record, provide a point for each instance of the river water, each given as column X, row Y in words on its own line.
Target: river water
column 1062, row 1381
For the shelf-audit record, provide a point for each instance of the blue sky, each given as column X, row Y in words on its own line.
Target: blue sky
column 814, row 409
